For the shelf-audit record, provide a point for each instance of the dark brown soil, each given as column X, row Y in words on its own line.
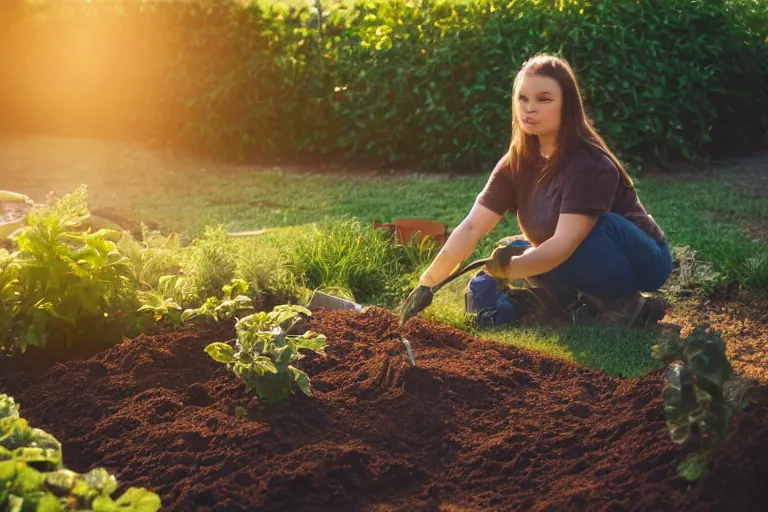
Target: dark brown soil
column 743, row 324
column 475, row 426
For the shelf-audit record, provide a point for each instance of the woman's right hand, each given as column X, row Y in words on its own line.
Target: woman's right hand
column 418, row 300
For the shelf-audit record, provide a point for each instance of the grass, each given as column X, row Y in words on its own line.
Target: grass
column 617, row 352
column 706, row 211
column 710, row 215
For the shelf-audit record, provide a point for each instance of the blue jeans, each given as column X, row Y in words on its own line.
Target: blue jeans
column 616, row 259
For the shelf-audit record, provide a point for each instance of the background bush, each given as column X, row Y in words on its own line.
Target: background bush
column 399, row 82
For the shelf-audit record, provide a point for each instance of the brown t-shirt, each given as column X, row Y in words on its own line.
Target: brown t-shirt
column 589, row 184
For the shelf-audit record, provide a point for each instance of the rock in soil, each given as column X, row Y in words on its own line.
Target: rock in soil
column 475, row 426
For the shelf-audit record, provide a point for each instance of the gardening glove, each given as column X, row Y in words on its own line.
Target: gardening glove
column 417, row 301
column 499, row 260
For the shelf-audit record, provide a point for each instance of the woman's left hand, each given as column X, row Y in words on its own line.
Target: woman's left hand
column 499, row 266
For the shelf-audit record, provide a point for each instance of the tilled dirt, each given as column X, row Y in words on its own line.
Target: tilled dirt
column 743, row 324
column 475, row 426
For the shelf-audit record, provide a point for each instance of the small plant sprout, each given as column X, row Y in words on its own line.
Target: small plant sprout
column 264, row 350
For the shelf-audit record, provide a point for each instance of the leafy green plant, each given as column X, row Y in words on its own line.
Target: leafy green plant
column 154, row 256
column 163, row 310
column 33, row 477
column 700, row 394
column 753, row 272
column 11, row 320
column 265, row 349
column 61, row 281
column 263, row 264
column 206, row 265
column 233, row 302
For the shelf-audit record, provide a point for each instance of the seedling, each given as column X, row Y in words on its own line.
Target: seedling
column 265, row 349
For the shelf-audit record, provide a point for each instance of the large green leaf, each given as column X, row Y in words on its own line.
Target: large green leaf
column 8, row 407
column 14, row 433
column 302, row 380
column 312, row 341
column 221, row 352
column 28, row 480
column 133, row 500
column 44, row 459
column 7, row 470
column 49, row 503
column 679, row 402
column 694, row 466
column 61, row 481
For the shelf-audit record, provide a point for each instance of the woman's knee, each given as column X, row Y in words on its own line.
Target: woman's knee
column 658, row 273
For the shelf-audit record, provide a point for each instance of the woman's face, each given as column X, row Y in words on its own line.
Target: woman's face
column 539, row 105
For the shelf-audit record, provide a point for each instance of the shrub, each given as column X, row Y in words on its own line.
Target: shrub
column 62, row 283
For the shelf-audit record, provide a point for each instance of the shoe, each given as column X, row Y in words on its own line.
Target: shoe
column 541, row 308
column 634, row 310
column 652, row 312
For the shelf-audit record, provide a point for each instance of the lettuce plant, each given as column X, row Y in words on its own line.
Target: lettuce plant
column 265, row 349
column 32, row 475
column 700, row 394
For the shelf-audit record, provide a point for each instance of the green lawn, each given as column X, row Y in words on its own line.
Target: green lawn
column 706, row 213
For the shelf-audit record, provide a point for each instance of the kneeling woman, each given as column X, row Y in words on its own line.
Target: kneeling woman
column 590, row 235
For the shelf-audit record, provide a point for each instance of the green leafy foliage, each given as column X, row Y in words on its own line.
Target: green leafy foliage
column 64, row 285
column 206, row 266
column 62, row 282
column 700, row 394
column 154, row 256
column 163, row 310
column 233, row 302
column 33, row 477
column 753, row 273
column 401, row 82
column 265, row 349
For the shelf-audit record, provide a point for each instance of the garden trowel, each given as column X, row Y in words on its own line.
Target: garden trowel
column 325, row 301
column 421, row 297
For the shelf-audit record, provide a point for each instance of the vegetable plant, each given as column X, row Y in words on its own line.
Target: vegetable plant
column 264, row 350
column 700, row 394
column 33, row 478
column 61, row 281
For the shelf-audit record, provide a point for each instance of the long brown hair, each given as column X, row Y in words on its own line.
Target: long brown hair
column 575, row 128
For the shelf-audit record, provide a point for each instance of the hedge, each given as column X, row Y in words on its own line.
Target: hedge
column 422, row 83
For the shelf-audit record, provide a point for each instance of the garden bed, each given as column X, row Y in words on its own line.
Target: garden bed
column 743, row 322
column 477, row 425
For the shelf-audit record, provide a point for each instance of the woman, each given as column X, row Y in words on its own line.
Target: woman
column 590, row 235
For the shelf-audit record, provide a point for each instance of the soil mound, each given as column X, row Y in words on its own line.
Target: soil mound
column 475, row 426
